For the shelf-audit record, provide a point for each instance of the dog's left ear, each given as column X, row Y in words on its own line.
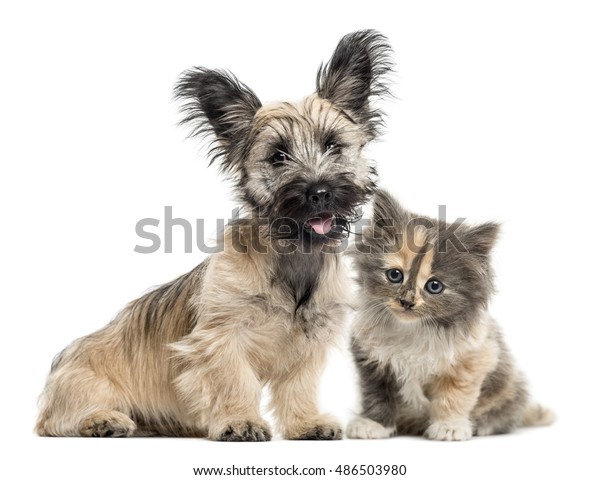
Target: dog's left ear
column 215, row 102
column 356, row 75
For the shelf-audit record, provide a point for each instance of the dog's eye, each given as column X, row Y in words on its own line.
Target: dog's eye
column 278, row 159
column 434, row 286
column 332, row 146
column 394, row 275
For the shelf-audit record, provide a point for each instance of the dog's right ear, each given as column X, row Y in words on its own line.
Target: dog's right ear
column 356, row 75
column 215, row 102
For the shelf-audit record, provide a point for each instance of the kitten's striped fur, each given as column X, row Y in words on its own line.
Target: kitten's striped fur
column 432, row 364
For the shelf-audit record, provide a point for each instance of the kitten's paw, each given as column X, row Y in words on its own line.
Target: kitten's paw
column 322, row 428
column 107, row 423
column 362, row 427
column 482, row 431
column 451, row 430
column 243, row 431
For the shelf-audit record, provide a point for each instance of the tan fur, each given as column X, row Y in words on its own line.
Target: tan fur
column 454, row 392
column 456, row 388
column 228, row 340
column 216, row 343
column 538, row 415
column 413, row 243
column 261, row 346
column 192, row 356
column 298, row 121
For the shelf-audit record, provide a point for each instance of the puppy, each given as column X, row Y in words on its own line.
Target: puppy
column 191, row 357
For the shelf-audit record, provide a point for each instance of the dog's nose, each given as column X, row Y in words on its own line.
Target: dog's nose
column 407, row 304
column 319, row 196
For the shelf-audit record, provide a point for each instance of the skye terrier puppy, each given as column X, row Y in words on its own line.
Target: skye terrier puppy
column 191, row 357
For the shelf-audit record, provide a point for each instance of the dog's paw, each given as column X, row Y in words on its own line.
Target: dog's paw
column 321, row 432
column 107, row 423
column 362, row 427
column 452, row 430
column 244, row 431
column 322, row 428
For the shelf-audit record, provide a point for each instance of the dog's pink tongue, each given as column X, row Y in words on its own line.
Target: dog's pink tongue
column 321, row 225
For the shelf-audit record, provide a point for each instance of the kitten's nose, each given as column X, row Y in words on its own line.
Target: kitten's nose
column 319, row 196
column 407, row 304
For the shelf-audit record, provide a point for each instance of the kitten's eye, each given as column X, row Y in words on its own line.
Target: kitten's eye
column 394, row 275
column 434, row 286
column 278, row 159
column 332, row 146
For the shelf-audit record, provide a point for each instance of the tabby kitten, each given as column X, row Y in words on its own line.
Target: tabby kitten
column 430, row 358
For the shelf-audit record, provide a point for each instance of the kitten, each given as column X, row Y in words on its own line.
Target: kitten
column 430, row 358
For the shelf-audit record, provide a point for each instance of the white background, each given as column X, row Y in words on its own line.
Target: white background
column 496, row 116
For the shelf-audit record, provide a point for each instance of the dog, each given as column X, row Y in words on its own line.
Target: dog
column 191, row 357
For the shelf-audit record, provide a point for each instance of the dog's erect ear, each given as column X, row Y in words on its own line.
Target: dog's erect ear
column 356, row 75
column 215, row 102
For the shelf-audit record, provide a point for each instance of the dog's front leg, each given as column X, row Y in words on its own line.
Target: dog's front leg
column 219, row 386
column 294, row 402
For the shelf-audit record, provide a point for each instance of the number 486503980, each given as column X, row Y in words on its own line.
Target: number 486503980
column 371, row 470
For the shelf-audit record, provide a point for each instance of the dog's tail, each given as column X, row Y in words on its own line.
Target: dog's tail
column 536, row 415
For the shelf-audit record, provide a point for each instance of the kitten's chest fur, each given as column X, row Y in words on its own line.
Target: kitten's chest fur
column 415, row 354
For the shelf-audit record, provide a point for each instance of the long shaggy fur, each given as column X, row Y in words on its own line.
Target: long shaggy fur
column 215, row 103
column 432, row 363
column 192, row 357
column 351, row 79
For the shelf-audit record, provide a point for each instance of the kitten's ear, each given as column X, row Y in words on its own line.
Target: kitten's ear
column 216, row 103
column 389, row 217
column 480, row 239
column 356, row 75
